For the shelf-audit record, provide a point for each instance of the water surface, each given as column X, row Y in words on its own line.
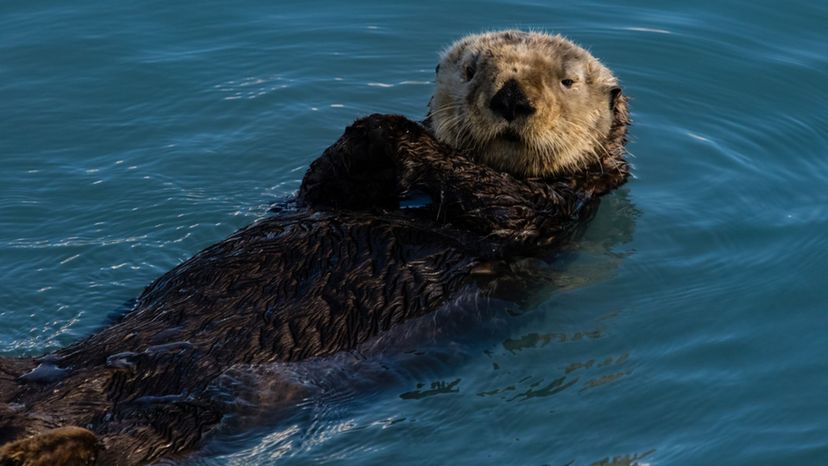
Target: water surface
column 686, row 327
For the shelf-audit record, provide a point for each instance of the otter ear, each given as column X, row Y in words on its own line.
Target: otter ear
column 614, row 92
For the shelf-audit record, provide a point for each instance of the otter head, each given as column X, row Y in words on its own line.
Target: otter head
column 528, row 103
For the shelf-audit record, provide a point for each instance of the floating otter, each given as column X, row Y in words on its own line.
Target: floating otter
column 347, row 265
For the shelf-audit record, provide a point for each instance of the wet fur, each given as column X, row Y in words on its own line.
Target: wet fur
column 570, row 127
column 328, row 278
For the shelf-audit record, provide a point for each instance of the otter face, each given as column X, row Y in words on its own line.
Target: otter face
column 528, row 103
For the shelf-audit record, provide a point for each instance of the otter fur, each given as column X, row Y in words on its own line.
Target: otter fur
column 531, row 104
column 329, row 277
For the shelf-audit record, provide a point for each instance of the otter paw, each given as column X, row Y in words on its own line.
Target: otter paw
column 65, row 446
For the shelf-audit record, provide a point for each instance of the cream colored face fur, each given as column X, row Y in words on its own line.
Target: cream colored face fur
column 570, row 92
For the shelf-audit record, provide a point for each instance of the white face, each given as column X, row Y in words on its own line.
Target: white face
column 526, row 103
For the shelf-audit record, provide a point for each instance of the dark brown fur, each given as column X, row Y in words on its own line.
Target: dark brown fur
column 345, row 267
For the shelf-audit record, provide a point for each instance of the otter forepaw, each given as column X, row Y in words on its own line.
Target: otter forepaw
column 361, row 170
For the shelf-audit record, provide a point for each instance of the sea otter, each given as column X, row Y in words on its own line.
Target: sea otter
column 524, row 132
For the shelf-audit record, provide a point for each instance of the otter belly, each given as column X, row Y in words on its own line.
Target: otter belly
column 291, row 288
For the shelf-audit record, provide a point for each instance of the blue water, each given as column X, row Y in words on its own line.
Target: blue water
column 687, row 327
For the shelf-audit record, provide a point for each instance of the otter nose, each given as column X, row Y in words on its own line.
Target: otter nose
column 510, row 101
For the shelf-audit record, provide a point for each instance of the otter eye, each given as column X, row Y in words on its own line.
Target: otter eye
column 437, row 69
column 469, row 71
column 567, row 83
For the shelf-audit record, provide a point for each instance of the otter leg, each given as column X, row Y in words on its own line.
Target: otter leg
column 64, row 446
column 60, row 446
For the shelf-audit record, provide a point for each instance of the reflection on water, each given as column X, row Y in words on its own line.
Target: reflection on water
column 436, row 388
column 625, row 460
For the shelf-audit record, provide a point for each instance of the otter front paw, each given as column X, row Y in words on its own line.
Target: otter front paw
column 360, row 171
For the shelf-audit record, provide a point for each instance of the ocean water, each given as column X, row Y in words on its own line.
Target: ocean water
column 686, row 327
